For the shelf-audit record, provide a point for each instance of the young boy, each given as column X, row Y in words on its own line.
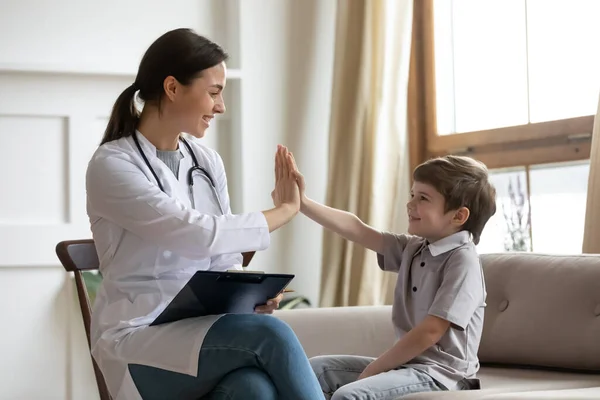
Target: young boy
column 440, row 292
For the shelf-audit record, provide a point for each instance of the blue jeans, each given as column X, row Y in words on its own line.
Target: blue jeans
column 247, row 356
column 338, row 378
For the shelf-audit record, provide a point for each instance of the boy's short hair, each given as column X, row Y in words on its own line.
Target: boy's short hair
column 463, row 182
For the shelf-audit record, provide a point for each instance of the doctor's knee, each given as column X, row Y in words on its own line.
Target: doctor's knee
column 258, row 327
column 245, row 384
column 274, row 328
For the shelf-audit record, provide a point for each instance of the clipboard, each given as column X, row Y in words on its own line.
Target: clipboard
column 213, row 293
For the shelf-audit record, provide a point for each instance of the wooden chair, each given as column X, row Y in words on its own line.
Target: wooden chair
column 80, row 255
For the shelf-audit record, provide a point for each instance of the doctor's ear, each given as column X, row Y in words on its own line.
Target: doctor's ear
column 170, row 86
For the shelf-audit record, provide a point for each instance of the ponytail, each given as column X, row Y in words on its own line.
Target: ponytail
column 123, row 118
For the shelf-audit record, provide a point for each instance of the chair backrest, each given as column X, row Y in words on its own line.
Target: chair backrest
column 77, row 256
column 80, row 255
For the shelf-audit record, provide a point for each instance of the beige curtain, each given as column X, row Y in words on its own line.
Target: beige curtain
column 368, row 168
column 591, row 236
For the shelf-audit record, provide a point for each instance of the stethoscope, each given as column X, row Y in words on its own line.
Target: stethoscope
column 190, row 173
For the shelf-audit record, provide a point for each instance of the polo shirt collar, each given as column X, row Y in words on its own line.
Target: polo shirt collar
column 449, row 243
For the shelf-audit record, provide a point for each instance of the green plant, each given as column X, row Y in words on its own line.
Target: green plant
column 517, row 218
column 294, row 302
column 92, row 282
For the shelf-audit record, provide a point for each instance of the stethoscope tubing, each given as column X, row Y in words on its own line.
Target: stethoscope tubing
column 190, row 177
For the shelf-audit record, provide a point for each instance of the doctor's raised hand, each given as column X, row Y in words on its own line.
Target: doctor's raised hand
column 159, row 209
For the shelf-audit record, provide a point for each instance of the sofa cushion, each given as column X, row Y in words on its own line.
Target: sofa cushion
column 542, row 310
column 517, row 382
column 566, row 394
column 365, row 331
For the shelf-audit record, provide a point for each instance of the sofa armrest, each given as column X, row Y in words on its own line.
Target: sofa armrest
column 365, row 331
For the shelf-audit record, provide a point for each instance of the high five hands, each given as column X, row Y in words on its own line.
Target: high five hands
column 289, row 182
column 287, row 195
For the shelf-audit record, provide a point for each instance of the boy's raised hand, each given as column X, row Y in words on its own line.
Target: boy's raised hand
column 299, row 179
column 285, row 165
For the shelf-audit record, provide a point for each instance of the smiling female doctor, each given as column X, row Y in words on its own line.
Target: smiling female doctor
column 159, row 211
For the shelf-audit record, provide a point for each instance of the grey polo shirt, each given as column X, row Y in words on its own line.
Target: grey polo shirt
column 444, row 279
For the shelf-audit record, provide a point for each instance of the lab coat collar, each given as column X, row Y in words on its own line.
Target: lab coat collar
column 149, row 148
column 449, row 243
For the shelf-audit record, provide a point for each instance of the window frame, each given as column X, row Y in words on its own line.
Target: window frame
column 521, row 145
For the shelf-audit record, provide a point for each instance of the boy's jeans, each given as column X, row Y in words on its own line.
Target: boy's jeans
column 338, row 376
column 243, row 357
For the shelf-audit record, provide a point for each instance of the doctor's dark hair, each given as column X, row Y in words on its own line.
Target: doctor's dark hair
column 463, row 182
column 180, row 53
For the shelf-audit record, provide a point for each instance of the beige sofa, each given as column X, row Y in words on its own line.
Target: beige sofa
column 541, row 337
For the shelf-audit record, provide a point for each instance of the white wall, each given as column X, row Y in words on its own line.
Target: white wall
column 108, row 37
column 62, row 64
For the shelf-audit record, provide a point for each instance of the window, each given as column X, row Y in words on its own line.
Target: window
column 515, row 84
column 540, row 208
column 510, row 82
column 509, row 229
column 558, row 202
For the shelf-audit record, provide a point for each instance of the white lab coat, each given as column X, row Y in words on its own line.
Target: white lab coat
column 149, row 244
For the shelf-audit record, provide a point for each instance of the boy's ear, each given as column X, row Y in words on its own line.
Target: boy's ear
column 461, row 216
